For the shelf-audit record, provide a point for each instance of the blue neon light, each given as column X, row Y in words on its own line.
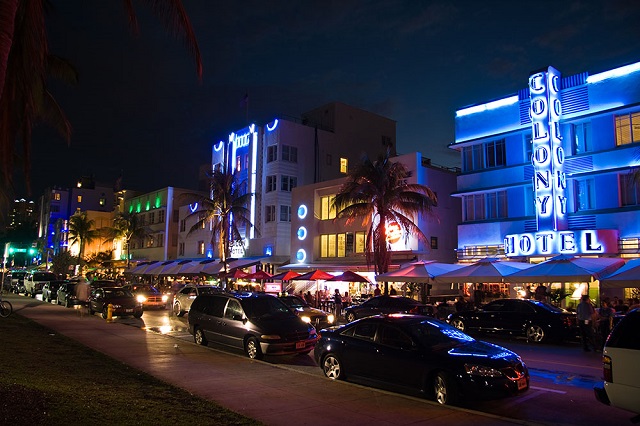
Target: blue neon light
column 618, row 72
column 271, row 127
column 488, row 106
column 218, row 146
column 302, row 211
column 301, row 256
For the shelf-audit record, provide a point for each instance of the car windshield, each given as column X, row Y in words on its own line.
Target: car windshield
column 548, row 307
column 117, row 293
column 43, row 276
column 434, row 332
column 257, row 307
column 208, row 290
column 294, row 302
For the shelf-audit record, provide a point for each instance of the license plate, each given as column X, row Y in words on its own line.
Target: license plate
column 299, row 345
column 522, row 383
column 129, row 310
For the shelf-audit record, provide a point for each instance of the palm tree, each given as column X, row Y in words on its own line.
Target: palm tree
column 25, row 64
column 127, row 226
column 378, row 193
column 82, row 232
column 225, row 212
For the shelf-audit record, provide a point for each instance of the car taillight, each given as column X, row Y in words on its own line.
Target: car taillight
column 607, row 370
column 414, row 310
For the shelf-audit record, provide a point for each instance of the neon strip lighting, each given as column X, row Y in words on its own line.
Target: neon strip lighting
column 271, row 127
column 488, row 106
column 218, row 146
column 254, row 165
column 618, row 72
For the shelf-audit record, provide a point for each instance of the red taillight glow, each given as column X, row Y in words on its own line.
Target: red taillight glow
column 607, row 370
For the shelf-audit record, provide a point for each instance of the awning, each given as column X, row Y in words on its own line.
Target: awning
column 488, row 270
column 564, row 268
column 418, row 272
column 625, row 277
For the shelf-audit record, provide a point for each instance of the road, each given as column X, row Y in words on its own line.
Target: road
column 561, row 387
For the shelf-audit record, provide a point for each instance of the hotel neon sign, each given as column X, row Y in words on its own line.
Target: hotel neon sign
column 550, row 182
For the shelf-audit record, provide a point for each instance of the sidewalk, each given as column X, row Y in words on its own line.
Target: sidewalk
column 272, row 394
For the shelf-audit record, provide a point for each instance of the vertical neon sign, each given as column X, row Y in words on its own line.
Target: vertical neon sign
column 549, row 179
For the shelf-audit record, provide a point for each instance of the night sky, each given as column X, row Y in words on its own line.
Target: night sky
column 140, row 111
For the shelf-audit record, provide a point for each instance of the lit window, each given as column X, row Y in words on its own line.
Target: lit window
column 627, row 128
column 585, row 194
column 79, row 198
column 344, row 165
column 327, row 207
column 200, row 247
column 582, row 137
column 56, row 196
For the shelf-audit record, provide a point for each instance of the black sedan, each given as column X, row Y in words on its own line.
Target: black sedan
column 387, row 305
column 318, row 318
column 122, row 301
column 419, row 353
column 537, row 321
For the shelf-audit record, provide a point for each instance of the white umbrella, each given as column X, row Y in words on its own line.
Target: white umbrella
column 564, row 268
column 418, row 272
column 488, row 270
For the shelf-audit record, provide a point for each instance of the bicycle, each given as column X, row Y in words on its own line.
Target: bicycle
column 6, row 308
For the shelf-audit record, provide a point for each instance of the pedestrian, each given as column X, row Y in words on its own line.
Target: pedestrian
column 541, row 293
column 529, row 293
column 459, row 304
column 337, row 302
column 586, row 315
column 377, row 291
column 478, row 295
column 346, row 299
column 393, row 291
column 309, row 298
column 605, row 321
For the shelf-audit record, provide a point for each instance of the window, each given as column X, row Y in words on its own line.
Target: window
column 270, row 213
column 289, row 153
column 484, row 156
column 152, row 217
column 627, row 128
column 582, row 137
column 103, row 200
column 492, row 205
column 79, row 198
column 272, row 153
column 233, row 309
column 200, row 247
column 238, row 163
column 181, row 249
column 150, row 242
column 344, row 165
column 585, row 195
column 327, row 207
column 183, row 225
column 342, row 240
column 161, row 216
column 328, row 245
column 56, row 196
column 285, row 213
column 288, row 183
column 434, row 243
column 629, row 191
column 528, row 146
column 360, row 240
column 271, row 183
column 160, row 240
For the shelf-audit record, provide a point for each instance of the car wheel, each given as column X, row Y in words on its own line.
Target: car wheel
column 350, row 316
column 535, row 333
column 332, row 367
column 105, row 313
column 445, row 390
column 177, row 309
column 252, row 348
column 198, row 337
column 458, row 323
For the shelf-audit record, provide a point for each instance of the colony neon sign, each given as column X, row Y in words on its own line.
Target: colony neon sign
column 550, row 182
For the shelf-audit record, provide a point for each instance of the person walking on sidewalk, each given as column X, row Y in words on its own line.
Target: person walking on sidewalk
column 586, row 314
column 337, row 301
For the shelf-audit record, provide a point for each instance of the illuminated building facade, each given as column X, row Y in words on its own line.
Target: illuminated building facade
column 319, row 241
column 272, row 160
column 547, row 171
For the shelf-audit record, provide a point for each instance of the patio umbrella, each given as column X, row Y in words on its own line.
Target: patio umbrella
column 237, row 274
column 259, row 275
column 142, row 267
column 212, row 268
column 418, row 272
column 489, row 270
column 349, row 277
column 314, row 275
column 565, row 268
column 195, row 267
column 626, row 276
column 285, row 276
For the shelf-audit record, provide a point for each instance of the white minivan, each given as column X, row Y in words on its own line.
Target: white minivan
column 620, row 362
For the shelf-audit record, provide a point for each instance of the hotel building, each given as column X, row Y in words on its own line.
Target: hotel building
column 548, row 170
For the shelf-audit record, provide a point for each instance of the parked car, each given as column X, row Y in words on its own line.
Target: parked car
column 320, row 319
column 184, row 297
column 387, row 305
column 537, row 321
column 621, row 385
column 258, row 323
column 67, row 295
column 34, row 282
column 418, row 353
column 50, row 290
column 17, row 281
column 148, row 295
column 122, row 300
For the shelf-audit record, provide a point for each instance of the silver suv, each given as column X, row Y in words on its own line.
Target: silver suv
column 620, row 358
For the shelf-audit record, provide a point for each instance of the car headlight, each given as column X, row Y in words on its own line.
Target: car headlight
column 141, row 299
column 331, row 318
column 305, row 318
column 270, row 337
column 481, row 370
column 165, row 298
